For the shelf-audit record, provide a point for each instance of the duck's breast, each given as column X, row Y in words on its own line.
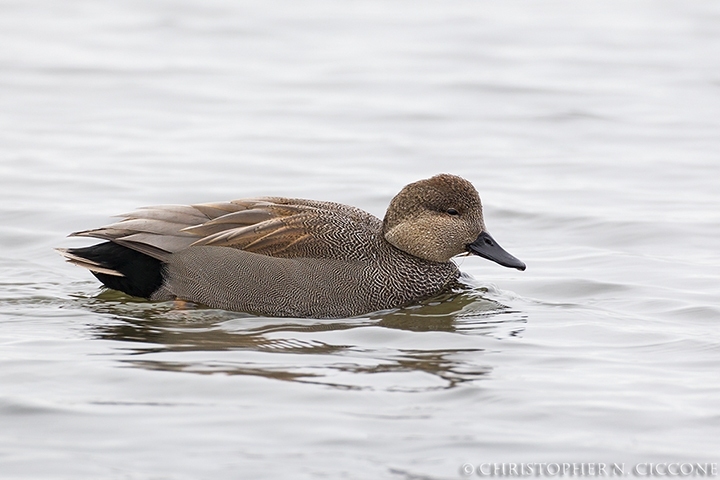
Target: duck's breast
column 232, row 279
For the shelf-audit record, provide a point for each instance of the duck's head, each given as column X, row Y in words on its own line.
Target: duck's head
column 440, row 217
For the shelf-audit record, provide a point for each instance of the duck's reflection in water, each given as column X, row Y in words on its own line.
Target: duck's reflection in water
column 160, row 336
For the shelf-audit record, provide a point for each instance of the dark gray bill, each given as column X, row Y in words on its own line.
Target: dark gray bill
column 486, row 247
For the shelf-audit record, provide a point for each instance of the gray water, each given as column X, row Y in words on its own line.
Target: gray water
column 591, row 130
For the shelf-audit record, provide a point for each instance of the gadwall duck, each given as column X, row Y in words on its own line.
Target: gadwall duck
column 295, row 258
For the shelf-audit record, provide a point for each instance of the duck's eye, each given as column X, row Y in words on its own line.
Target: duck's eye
column 452, row 211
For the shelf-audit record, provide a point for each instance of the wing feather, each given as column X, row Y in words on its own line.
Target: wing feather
column 270, row 226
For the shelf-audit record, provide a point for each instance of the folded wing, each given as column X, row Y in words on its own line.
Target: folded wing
column 272, row 226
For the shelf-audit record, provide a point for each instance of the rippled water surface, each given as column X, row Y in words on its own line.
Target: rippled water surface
column 591, row 130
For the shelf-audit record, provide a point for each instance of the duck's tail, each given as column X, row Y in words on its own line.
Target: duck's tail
column 119, row 267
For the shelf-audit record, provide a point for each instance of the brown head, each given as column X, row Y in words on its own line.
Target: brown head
column 440, row 217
